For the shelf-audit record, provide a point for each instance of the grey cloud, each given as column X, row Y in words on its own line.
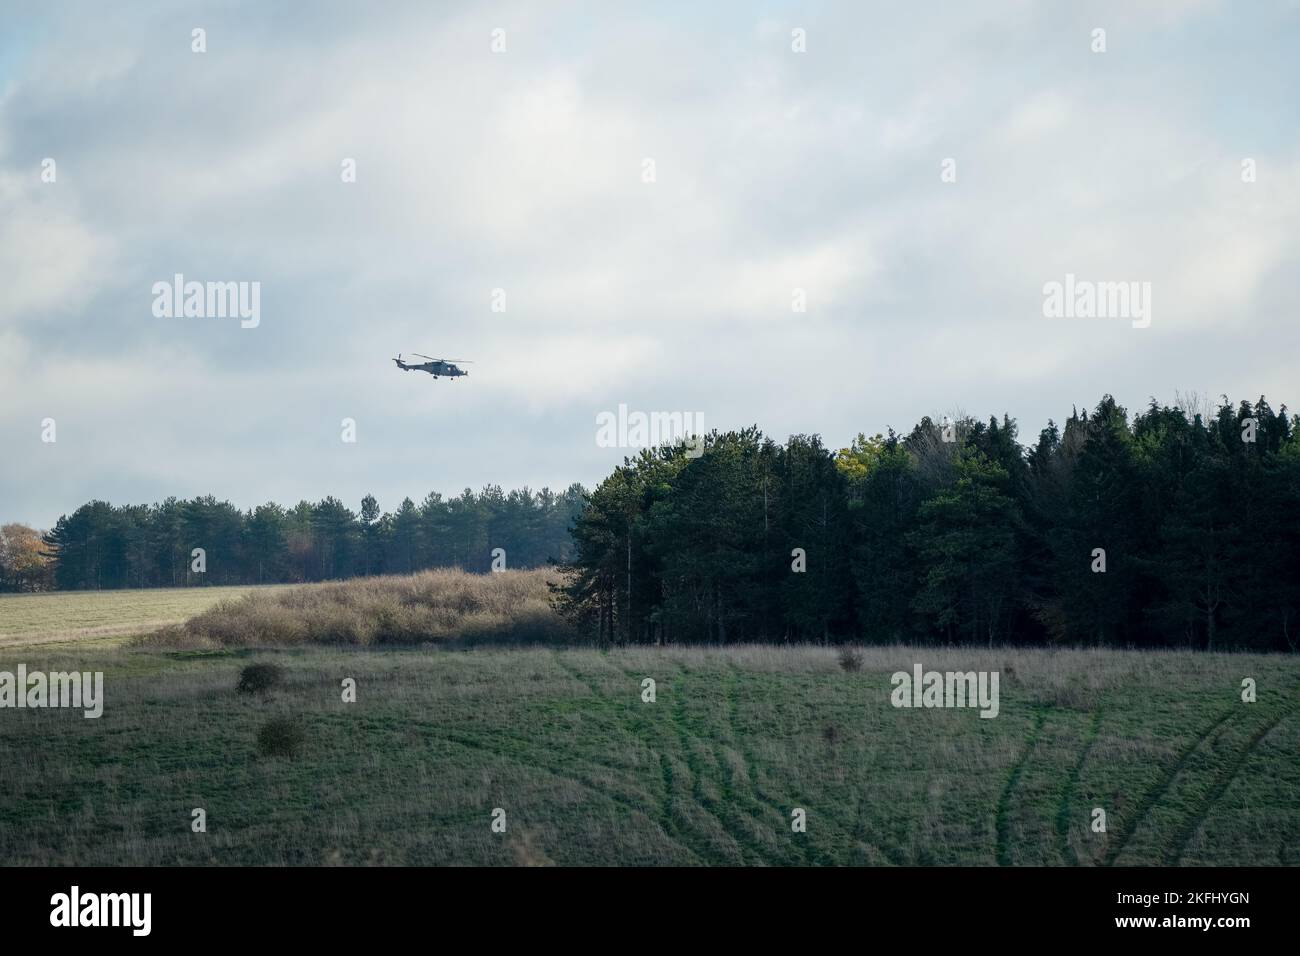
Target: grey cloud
column 522, row 171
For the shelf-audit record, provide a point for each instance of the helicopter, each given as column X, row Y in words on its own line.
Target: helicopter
column 435, row 367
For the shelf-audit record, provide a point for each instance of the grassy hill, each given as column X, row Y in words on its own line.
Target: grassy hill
column 707, row 774
column 442, row 607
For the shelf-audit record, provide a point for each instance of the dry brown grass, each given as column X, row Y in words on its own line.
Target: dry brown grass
column 438, row 607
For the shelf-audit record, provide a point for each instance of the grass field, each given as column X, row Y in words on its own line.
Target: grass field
column 707, row 774
column 82, row 615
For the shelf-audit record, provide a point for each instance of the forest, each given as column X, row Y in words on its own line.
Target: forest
column 139, row 546
column 1178, row 528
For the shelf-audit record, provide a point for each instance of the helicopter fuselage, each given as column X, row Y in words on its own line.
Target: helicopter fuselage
column 436, row 369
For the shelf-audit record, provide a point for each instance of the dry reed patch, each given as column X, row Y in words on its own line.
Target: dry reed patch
column 438, row 607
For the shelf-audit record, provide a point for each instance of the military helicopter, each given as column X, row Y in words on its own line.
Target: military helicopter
column 435, row 367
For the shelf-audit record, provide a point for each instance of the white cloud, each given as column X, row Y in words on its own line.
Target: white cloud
column 50, row 261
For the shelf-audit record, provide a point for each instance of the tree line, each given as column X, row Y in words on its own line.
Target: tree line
column 141, row 546
column 1180, row 528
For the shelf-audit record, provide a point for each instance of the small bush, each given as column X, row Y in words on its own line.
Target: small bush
column 850, row 659
column 259, row 678
column 280, row 737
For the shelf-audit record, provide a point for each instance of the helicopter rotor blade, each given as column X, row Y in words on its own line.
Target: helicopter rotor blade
column 443, row 360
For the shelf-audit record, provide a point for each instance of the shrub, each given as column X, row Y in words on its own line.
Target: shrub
column 259, row 678
column 280, row 737
column 850, row 659
column 439, row 607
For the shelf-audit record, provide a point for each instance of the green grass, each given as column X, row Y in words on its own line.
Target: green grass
column 708, row 774
column 81, row 615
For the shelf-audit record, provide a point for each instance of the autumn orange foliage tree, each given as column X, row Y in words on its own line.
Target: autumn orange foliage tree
column 24, row 565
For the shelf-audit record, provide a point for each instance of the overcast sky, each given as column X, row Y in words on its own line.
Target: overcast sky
column 524, row 170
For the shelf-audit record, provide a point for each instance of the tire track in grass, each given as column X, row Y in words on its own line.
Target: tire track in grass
column 696, row 766
column 729, row 803
column 731, row 797
column 667, row 817
column 804, row 852
column 734, row 800
column 667, row 822
column 533, row 754
column 576, row 675
column 859, row 834
column 527, row 748
column 1065, row 811
column 1156, row 794
column 1220, row 786
column 859, row 831
column 749, row 761
column 599, row 696
column 1003, row 822
column 473, row 743
column 802, row 849
column 743, row 807
column 469, row 742
column 747, row 794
